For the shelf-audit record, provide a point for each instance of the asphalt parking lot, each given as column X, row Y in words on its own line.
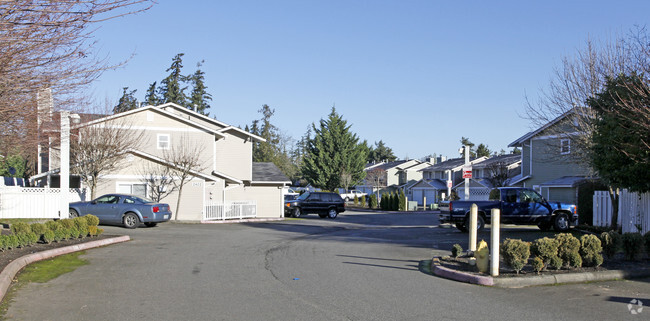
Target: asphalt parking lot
column 360, row 266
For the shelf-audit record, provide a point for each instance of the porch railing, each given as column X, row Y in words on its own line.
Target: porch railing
column 230, row 210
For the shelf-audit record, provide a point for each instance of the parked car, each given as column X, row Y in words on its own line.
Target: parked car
column 348, row 196
column 128, row 210
column 521, row 206
column 322, row 203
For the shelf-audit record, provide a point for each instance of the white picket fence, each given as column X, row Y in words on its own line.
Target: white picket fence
column 34, row 202
column 229, row 211
column 633, row 210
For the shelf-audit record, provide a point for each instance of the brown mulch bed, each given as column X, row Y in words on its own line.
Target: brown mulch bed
column 618, row 263
column 8, row 256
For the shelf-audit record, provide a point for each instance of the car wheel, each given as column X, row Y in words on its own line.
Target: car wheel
column 150, row 224
column 73, row 213
column 480, row 223
column 130, row 220
column 322, row 215
column 296, row 213
column 332, row 213
column 561, row 222
column 545, row 226
column 461, row 227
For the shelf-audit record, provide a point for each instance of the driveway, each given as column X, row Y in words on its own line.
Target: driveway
column 361, row 266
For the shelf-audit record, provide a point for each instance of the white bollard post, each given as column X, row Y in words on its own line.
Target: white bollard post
column 473, row 214
column 495, row 231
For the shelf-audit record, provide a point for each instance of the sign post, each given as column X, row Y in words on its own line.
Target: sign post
column 467, row 168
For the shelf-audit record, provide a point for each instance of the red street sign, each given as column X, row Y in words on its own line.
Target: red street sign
column 467, row 174
column 449, row 183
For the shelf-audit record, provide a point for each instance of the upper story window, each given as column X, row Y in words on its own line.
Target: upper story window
column 565, row 146
column 163, row 141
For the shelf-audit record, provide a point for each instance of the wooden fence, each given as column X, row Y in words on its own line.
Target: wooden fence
column 633, row 211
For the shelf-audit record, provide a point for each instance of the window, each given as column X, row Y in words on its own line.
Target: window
column 565, row 146
column 163, row 141
column 107, row 199
column 133, row 189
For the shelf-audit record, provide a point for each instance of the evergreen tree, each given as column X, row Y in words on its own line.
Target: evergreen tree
column 266, row 151
column 172, row 89
column 126, row 102
column 199, row 98
column 402, row 201
column 465, row 141
column 333, row 149
column 620, row 152
column 483, row 150
column 381, row 153
column 151, row 97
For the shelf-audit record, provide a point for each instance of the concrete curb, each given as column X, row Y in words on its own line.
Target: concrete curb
column 245, row 220
column 7, row 275
column 525, row 281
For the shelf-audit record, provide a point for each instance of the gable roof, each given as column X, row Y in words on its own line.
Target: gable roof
column 508, row 160
column 452, row 164
column 385, row 165
column 268, row 173
column 519, row 141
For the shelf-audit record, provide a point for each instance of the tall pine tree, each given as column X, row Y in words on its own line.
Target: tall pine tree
column 126, row 102
column 172, row 89
column 151, row 97
column 333, row 150
column 199, row 99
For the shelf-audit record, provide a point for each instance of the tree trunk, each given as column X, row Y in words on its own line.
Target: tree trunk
column 178, row 202
column 614, row 196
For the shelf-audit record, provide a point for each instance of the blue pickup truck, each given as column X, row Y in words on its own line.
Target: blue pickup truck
column 521, row 206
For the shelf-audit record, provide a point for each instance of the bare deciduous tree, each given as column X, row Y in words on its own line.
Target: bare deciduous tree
column 498, row 174
column 581, row 77
column 378, row 179
column 100, row 146
column 49, row 44
column 159, row 180
column 185, row 157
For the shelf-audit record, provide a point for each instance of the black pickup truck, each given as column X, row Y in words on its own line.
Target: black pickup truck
column 518, row 205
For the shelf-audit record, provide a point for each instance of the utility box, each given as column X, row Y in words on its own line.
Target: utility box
column 412, row 206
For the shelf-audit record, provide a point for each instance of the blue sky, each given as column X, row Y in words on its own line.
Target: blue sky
column 418, row 75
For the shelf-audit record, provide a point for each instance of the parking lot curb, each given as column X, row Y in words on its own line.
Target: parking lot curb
column 245, row 220
column 10, row 271
column 526, row 281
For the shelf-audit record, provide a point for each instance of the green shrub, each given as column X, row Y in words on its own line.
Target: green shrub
column 395, row 201
column 382, row 201
column 612, row 243
column 100, row 231
column 60, row 235
column 20, row 228
column 373, row 201
column 92, row 230
column 569, row 250
column 3, row 242
column 538, row 264
column 456, row 250
column 73, row 232
column 632, row 245
column 363, row 200
column 356, row 200
column 82, row 226
column 67, row 223
column 38, row 228
column 48, row 236
column 27, row 239
column 546, row 249
column 402, row 201
column 646, row 240
column 515, row 253
column 590, row 249
column 53, row 225
column 93, row 220
column 12, row 241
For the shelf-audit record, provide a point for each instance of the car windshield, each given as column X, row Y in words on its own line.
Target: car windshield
column 304, row 196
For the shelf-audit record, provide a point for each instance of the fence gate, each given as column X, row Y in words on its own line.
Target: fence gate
column 633, row 211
